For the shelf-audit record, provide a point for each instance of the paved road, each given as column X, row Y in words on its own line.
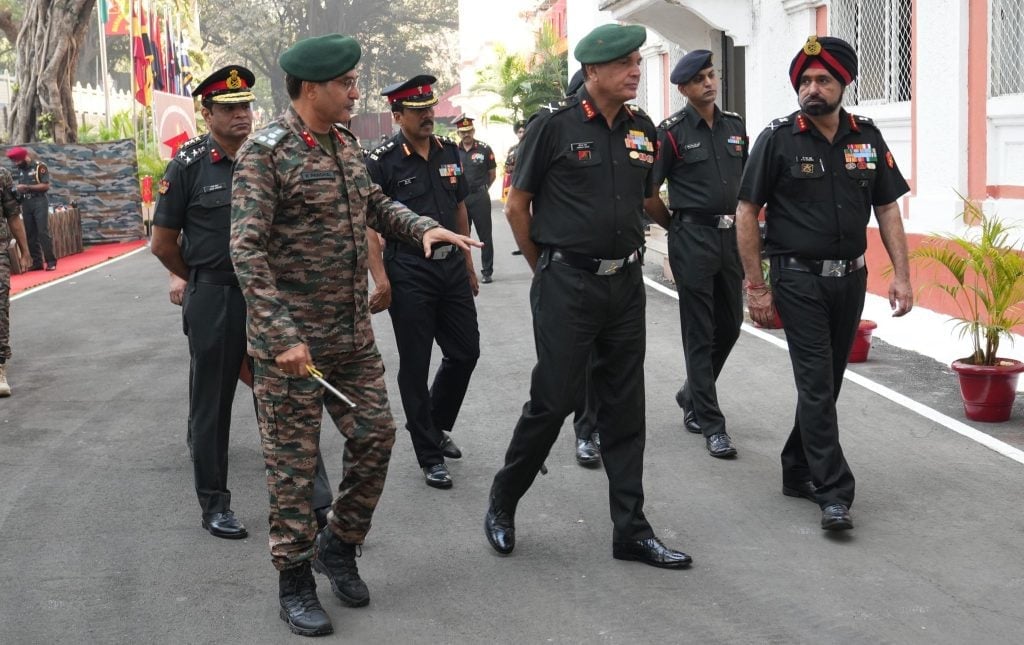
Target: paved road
column 101, row 541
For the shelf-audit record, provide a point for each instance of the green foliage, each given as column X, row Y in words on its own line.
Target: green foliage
column 986, row 280
column 150, row 163
column 120, row 128
column 523, row 84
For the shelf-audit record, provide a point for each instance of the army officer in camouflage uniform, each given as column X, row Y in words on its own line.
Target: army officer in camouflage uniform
column 301, row 204
column 10, row 224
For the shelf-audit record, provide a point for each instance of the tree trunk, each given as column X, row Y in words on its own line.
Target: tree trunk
column 48, row 47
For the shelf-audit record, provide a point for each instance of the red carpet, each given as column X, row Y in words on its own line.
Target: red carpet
column 91, row 256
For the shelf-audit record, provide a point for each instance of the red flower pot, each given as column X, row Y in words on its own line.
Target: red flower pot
column 988, row 390
column 862, row 341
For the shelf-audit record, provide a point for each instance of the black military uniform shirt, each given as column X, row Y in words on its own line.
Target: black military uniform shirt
column 32, row 173
column 477, row 164
column 195, row 198
column 430, row 187
column 703, row 165
column 820, row 194
column 588, row 181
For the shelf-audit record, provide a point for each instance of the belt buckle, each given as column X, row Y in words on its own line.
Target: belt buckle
column 610, row 267
column 833, row 268
column 726, row 221
column 441, row 252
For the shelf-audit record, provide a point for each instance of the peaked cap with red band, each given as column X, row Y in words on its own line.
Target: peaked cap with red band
column 231, row 84
column 413, row 93
column 835, row 55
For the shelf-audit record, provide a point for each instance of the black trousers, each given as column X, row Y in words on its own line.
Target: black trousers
column 431, row 300
column 36, row 213
column 575, row 315
column 709, row 278
column 820, row 317
column 584, row 418
column 478, row 206
column 215, row 318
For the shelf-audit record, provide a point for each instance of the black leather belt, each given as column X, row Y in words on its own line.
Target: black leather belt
column 210, row 276
column 824, row 268
column 442, row 252
column 714, row 221
column 596, row 266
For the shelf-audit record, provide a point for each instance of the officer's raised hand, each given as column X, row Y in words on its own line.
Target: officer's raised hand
column 442, row 235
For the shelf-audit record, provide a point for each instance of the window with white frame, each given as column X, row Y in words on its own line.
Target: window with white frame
column 880, row 32
column 1006, row 75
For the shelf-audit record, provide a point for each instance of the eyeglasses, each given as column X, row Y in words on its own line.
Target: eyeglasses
column 347, row 83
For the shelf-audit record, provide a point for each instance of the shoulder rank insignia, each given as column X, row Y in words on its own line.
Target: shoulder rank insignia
column 192, row 151
column 672, row 120
column 779, row 122
column 446, row 140
column 270, row 136
column 857, row 120
column 345, row 134
column 732, row 114
column 381, row 149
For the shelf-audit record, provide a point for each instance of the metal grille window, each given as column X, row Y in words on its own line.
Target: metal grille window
column 1007, row 64
column 880, row 32
column 676, row 101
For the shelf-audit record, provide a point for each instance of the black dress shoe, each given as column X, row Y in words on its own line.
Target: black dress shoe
column 836, row 517
column 224, row 525
column 517, row 252
column 651, row 551
column 803, row 489
column 437, row 476
column 720, row 445
column 36, row 267
column 690, row 422
column 689, row 418
column 448, row 447
column 587, row 454
column 486, row 279
column 51, row 267
column 499, row 527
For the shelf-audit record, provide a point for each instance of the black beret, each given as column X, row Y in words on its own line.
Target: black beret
column 690, row 65
column 609, row 42
column 834, row 54
column 321, row 58
column 575, row 83
column 227, row 85
column 414, row 93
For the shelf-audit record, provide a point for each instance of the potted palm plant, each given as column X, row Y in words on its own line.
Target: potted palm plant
column 982, row 271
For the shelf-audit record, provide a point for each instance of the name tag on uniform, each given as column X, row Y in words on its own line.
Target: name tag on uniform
column 406, row 182
column 317, row 175
column 582, row 145
column 691, row 146
column 213, row 188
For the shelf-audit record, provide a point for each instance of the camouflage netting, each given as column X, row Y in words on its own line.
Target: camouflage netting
column 102, row 178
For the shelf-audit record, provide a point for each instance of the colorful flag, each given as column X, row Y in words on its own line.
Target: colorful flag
column 186, row 68
column 140, row 64
column 116, row 21
column 159, row 71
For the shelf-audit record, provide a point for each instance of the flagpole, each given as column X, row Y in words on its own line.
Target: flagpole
column 103, row 63
column 131, row 60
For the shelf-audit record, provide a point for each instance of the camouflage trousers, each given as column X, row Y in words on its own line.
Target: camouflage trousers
column 5, row 305
column 290, row 411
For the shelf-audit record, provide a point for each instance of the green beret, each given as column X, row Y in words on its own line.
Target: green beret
column 609, row 42
column 321, row 58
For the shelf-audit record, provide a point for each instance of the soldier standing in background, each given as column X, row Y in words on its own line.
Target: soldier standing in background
column 10, row 225
column 479, row 169
column 701, row 150
column 195, row 204
column 431, row 298
column 32, row 183
column 301, row 205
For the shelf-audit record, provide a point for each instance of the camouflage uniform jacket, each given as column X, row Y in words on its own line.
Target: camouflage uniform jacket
column 299, row 216
column 9, row 203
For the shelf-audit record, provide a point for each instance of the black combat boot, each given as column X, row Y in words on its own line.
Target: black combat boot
column 300, row 607
column 337, row 560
